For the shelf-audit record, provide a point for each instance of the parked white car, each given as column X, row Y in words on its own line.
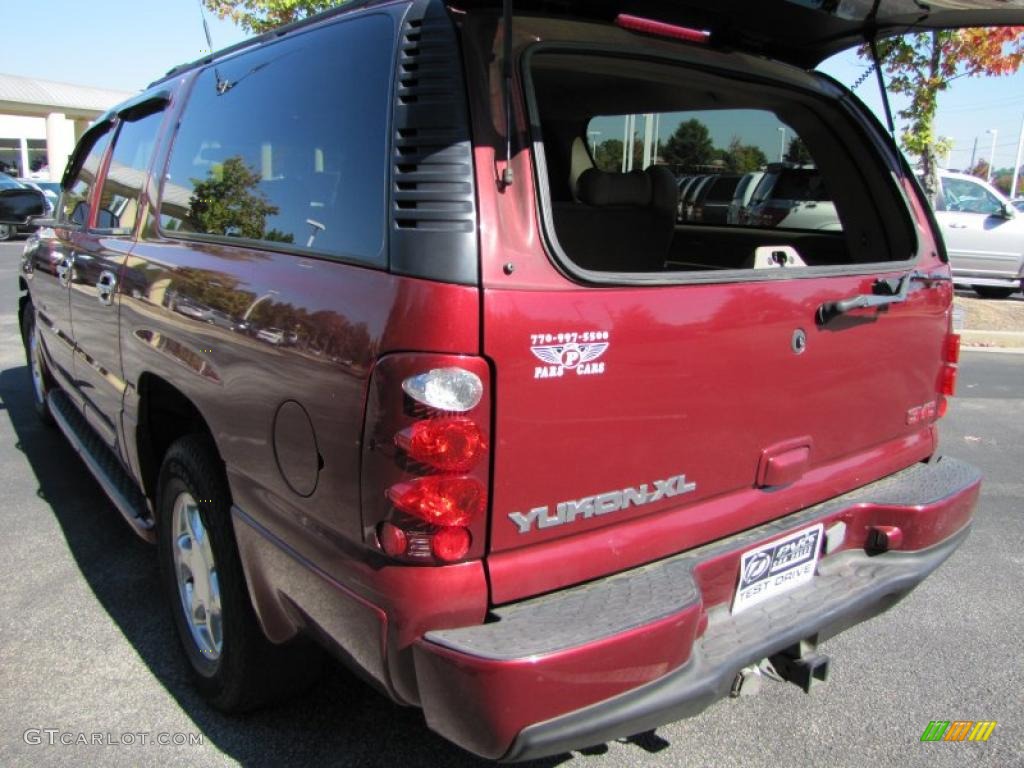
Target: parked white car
column 984, row 235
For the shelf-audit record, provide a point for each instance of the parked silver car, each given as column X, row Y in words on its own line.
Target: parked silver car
column 984, row 235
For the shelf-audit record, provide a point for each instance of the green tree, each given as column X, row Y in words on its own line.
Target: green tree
column 227, row 202
column 743, row 158
column 262, row 15
column 608, row 155
column 689, row 146
column 922, row 65
column 798, row 153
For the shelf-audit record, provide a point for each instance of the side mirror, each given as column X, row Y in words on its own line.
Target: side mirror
column 1008, row 211
column 18, row 205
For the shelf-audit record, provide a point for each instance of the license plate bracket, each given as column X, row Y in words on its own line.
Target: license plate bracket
column 776, row 567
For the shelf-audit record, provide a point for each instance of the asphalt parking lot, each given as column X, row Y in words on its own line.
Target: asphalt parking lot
column 87, row 646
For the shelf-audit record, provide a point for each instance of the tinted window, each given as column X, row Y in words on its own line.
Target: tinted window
column 133, row 148
column 289, row 144
column 74, row 204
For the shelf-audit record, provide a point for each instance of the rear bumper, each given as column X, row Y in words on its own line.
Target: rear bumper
column 655, row 644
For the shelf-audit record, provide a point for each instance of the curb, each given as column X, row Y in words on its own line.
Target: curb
column 992, row 340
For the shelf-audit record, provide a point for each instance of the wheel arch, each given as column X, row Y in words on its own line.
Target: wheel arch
column 165, row 414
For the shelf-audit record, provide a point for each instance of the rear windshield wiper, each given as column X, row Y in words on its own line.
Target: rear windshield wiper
column 884, row 292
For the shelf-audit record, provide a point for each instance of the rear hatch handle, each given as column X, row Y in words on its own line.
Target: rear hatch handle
column 885, row 291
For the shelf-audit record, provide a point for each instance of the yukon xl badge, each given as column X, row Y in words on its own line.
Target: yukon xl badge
column 568, row 351
column 601, row 504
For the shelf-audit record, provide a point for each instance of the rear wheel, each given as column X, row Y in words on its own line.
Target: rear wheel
column 992, row 292
column 234, row 666
column 41, row 382
column 6, row 232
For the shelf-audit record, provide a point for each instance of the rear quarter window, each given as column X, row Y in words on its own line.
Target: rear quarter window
column 286, row 146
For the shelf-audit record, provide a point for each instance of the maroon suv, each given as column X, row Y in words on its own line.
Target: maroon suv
column 371, row 326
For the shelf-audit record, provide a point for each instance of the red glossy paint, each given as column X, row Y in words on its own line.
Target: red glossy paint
column 562, row 562
column 457, row 692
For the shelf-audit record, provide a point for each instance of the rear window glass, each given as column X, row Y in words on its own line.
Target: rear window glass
column 651, row 167
column 288, row 145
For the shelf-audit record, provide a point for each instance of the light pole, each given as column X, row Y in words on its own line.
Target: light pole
column 782, row 142
column 1016, row 164
column 992, row 154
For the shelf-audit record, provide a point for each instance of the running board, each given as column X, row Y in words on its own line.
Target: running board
column 104, row 465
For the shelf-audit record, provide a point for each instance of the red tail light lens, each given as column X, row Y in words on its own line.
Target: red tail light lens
column 953, row 348
column 392, row 539
column 947, row 386
column 450, row 445
column 450, row 544
column 439, row 500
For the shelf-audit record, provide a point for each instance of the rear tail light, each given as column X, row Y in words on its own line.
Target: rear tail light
column 440, row 500
column 450, row 544
column 426, row 471
column 952, row 348
column 948, row 374
column 451, row 445
column 772, row 216
column 948, row 384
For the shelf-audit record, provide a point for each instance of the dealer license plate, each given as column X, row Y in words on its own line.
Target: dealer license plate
column 778, row 567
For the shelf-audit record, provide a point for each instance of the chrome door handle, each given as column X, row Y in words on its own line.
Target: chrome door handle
column 958, row 226
column 105, row 287
column 64, row 267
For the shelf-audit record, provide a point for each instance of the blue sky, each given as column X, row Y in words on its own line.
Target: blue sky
column 125, row 44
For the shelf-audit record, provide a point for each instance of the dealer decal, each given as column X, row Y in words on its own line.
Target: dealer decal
column 570, row 351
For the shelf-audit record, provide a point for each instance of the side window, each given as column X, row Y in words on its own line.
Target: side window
column 133, row 148
column 74, row 201
column 970, row 197
column 289, row 144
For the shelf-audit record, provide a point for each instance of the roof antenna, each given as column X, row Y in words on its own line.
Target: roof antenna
column 206, row 28
column 506, row 17
column 223, row 86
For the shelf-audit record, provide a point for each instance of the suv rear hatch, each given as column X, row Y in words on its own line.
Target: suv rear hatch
column 644, row 410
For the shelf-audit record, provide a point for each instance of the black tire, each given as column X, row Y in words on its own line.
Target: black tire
column 992, row 292
column 7, row 232
column 248, row 671
column 41, row 380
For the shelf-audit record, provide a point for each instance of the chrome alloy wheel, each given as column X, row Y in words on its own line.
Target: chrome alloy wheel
column 35, row 354
column 196, row 573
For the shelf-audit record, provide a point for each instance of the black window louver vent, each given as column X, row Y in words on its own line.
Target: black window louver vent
column 433, row 200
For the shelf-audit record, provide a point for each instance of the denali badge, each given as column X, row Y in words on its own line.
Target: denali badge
column 602, row 504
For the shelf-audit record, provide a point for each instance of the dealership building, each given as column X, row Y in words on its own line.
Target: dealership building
column 41, row 120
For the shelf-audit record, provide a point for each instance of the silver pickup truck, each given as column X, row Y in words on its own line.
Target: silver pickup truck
column 984, row 235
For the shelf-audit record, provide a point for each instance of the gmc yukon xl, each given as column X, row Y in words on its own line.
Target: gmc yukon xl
column 363, row 324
